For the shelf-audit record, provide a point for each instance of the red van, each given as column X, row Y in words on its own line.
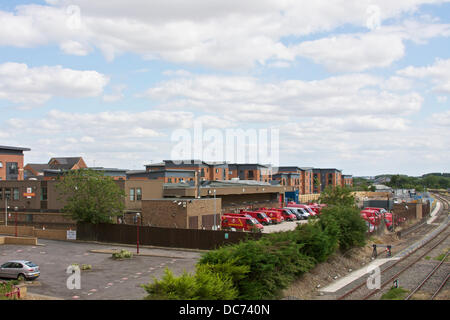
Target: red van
column 240, row 222
column 258, row 215
column 385, row 214
column 288, row 216
column 276, row 216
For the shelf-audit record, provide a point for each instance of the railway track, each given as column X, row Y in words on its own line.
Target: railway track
column 394, row 270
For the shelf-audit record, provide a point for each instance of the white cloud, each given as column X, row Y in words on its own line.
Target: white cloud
column 441, row 119
column 34, row 86
column 355, row 52
column 75, row 48
column 250, row 98
column 116, row 95
column 438, row 73
column 226, row 35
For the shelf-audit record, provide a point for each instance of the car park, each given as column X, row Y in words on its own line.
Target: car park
column 20, row 270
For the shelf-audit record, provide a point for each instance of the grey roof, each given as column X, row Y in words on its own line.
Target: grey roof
column 39, row 167
column 14, row 148
column 64, row 162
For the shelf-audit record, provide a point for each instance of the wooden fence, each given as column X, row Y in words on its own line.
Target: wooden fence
column 163, row 237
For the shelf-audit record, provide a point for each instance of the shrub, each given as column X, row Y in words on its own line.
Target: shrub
column 204, row 285
column 349, row 228
column 316, row 241
column 272, row 265
column 122, row 254
column 5, row 288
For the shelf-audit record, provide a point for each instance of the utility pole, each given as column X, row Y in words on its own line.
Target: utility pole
column 215, row 209
column 6, row 211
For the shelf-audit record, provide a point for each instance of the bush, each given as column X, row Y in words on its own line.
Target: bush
column 272, row 265
column 204, row 285
column 349, row 228
column 5, row 288
column 318, row 243
column 261, row 269
column 123, row 254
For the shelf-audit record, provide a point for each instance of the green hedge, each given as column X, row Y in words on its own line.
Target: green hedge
column 261, row 269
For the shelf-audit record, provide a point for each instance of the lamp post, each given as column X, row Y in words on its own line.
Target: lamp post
column 137, row 237
column 15, row 210
column 215, row 210
column 6, row 211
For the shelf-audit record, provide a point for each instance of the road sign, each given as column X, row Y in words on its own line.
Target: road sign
column 71, row 235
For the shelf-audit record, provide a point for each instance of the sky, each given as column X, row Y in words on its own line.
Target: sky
column 362, row 86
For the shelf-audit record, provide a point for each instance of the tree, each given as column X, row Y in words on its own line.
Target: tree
column 90, row 196
column 337, row 196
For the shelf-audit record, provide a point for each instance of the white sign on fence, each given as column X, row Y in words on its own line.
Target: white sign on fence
column 71, row 235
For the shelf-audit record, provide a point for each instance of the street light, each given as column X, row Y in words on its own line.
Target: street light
column 138, row 215
column 214, row 210
column 6, row 211
column 15, row 210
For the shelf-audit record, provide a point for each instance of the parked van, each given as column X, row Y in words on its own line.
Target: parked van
column 259, row 215
column 304, row 206
column 276, row 216
column 387, row 216
column 302, row 213
column 287, row 215
column 240, row 222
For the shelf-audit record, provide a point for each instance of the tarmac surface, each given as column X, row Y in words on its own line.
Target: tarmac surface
column 108, row 280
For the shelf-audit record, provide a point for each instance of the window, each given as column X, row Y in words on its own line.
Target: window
column 138, row 194
column 1, row 193
column 8, row 193
column 43, row 193
column 169, row 180
column 217, row 170
column 16, row 195
column 13, row 168
column 250, row 174
column 203, row 173
column 1, row 164
column 132, row 194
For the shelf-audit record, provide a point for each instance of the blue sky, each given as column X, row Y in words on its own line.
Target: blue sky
column 362, row 86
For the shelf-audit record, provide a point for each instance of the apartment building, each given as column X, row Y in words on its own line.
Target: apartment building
column 11, row 163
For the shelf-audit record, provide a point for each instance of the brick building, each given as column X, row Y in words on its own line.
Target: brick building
column 323, row 178
column 306, row 180
column 54, row 165
column 165, row 175
column 347, row 181
column 247, row 171
column 206, row 171
column 182, row 213
column 40, row 196
column 11, row 163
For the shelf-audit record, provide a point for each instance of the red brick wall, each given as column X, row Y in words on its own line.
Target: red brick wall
column 4, row 158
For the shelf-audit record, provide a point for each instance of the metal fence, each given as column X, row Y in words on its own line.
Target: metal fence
column 163, row 237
